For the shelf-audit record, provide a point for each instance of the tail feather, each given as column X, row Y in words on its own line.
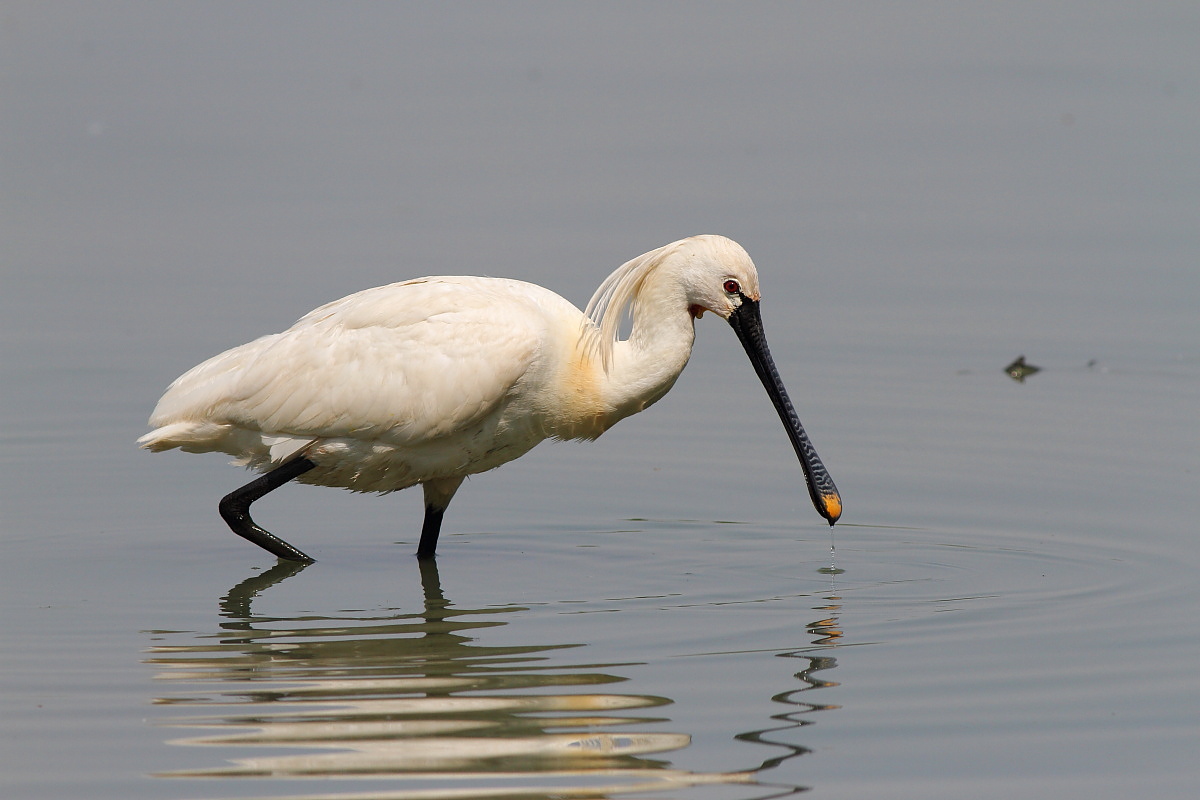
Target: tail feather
column 250, row 448
column 184, row 435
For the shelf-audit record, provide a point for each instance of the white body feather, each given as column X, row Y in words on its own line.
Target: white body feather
column 431, row 380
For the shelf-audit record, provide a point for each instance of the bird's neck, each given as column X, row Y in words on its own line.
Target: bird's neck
column 645, row 366
column 592, row 396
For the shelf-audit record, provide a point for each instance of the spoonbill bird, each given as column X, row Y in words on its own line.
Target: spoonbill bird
column 431, row 380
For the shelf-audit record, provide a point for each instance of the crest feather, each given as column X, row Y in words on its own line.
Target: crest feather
column 616, row 299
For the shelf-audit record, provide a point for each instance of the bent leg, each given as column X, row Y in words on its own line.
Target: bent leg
column 235, row 509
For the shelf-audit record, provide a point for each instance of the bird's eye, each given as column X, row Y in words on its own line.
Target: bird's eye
column 732, row 287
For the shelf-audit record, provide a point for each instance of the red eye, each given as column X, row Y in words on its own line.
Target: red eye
column 732, row 287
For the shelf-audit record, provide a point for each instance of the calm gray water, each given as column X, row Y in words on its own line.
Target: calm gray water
column 928, row 190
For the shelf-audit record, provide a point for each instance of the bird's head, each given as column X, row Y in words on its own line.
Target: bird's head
column 717, row 274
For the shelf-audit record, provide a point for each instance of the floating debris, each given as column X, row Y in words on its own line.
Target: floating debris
column 1019, row 370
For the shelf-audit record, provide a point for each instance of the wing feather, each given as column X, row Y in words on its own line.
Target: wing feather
column 401, row 364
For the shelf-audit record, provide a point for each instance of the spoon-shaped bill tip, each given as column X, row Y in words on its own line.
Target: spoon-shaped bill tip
column 831, row 507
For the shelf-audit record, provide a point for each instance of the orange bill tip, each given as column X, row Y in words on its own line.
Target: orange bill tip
column 833, row 507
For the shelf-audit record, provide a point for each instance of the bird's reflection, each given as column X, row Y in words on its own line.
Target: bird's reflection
column 416, row 696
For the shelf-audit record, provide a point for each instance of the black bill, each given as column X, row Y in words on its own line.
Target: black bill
column 746, row 322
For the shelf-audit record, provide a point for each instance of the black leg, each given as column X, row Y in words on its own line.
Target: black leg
column 438, row 493
column 235, row 509
column 429, row 531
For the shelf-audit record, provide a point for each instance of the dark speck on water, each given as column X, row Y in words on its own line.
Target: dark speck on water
column 1019, row 370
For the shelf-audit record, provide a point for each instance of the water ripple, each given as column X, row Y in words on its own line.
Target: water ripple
column 416, row 697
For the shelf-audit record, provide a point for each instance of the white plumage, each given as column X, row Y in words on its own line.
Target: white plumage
column 430, row 380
